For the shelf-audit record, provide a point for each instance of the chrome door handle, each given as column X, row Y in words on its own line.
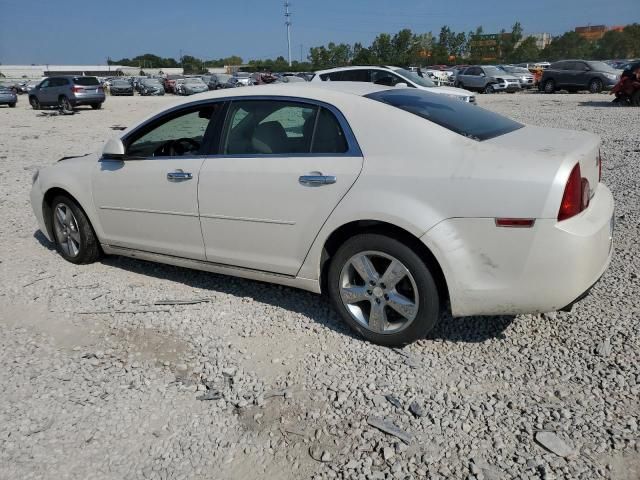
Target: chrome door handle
column 317, row 180
column 179, row 175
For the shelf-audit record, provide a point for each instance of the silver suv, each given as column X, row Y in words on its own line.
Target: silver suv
column 487, row 79
column 67, row 92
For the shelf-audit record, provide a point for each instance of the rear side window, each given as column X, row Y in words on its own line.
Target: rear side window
column 467, row 120
column 355, row 76
column 86, row 81
column 333, row 76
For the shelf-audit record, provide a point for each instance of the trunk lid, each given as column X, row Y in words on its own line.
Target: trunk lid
column 567, row 147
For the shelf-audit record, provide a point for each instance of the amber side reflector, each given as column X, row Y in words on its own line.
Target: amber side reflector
column 515, row 222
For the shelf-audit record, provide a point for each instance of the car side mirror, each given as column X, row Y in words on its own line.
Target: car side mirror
column 113, row 150
column 401, row 85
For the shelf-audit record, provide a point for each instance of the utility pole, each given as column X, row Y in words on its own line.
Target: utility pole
column 287, row 22
column 300, row 53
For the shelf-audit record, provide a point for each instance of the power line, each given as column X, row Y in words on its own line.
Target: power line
column 287, row 22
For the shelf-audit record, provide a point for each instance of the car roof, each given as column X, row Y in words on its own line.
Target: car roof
column 355, row 67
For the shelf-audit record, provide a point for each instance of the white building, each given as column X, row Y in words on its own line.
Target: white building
column 542, row 39
column 39, row 71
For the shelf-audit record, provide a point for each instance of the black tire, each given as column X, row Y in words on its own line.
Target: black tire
column 35, row 103
column 96, row 106
column 595, row 85
column 65, row 104
column 428, row 310
column 549, row 86
column 488, row 89
column 12, row 105
column 88, row 245
column 635, row 98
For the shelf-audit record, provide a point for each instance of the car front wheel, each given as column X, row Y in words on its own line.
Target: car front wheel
column 595, row 86
column 74, row 237
column 549, row 86
column 35, row 104
column 383, row 290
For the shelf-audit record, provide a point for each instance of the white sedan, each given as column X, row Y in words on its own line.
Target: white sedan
column 395, row 201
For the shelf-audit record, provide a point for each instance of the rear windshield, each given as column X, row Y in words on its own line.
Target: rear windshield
column 460, row 117
column 86, row 81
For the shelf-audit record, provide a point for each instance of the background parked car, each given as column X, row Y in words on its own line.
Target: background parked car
column 191, row 86
column 170, row 83
column 67, row 92
column 218, row 80
column 151, row 86
column 8, row 96
column 240, row 79
column 390, row 76
column 121, row 87
column 487, row 79
column 574, row 75
column 525, row 77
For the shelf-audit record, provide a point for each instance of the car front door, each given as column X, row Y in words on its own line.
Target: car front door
column 283, row 166
column 580, row 74
column 44, row 92
column 149, row 201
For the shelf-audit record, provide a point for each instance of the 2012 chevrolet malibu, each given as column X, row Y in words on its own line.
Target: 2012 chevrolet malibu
column 395, row 201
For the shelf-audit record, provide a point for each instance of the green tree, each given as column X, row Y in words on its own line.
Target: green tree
column 569, row 45
column 527, row 51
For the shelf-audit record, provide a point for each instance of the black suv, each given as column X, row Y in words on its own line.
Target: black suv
column 574, row 75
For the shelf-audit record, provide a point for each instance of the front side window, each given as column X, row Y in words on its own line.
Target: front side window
column 355, row 76
column 383, row 77
column 177, row 134
column 275, row 127
column 415, row 78
column 45, row 83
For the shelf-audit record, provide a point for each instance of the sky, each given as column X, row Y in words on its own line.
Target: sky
column 72, row 32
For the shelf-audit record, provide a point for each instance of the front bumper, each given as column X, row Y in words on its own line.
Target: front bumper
column 506, row 87
column 500, row 271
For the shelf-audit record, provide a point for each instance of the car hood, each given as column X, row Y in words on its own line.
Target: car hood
column 459, row 92
column 507, row 76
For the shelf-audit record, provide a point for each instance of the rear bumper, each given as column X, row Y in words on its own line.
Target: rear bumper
column 88, row 99
column 496, row 271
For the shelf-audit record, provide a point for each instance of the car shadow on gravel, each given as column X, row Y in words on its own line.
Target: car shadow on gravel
column 42, row 240
column 598, row 103
column 316, row 307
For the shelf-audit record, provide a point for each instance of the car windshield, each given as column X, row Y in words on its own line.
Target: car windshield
column 86, row 81
column 460, row 117
column 493, row 71
column 601, row 67
column 414, row 77
column 194, row 81
column 4, row 89
column 243, row 74
column 518, row 70
column 123, row 83
column 151, row 81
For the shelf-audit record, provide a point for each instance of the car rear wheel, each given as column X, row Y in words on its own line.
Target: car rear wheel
column 96, row 106
column 383, row 290
column 489, row 89
column 549, row 86
column 12, row 105
column 65, row 104
column 595, row 85
column 74, row 237
column 635, row 99
column 35, row 104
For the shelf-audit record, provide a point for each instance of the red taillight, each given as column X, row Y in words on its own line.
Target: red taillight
column 576, row 195
column 77, row 89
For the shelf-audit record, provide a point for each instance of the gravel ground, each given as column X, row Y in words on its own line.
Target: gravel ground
column 260, row 381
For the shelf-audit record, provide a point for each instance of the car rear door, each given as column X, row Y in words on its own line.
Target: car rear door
column 149, row 201
column 282, row 167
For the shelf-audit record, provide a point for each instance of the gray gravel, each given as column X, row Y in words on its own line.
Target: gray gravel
column 257, row 381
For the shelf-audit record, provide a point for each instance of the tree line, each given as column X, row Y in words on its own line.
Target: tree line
column 406, row 48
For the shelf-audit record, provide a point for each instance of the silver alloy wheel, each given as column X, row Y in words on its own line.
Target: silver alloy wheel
column 65, row 104
column 384, row 302
column 66, row 230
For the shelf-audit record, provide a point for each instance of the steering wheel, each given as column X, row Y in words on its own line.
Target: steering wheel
column 176, row 148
